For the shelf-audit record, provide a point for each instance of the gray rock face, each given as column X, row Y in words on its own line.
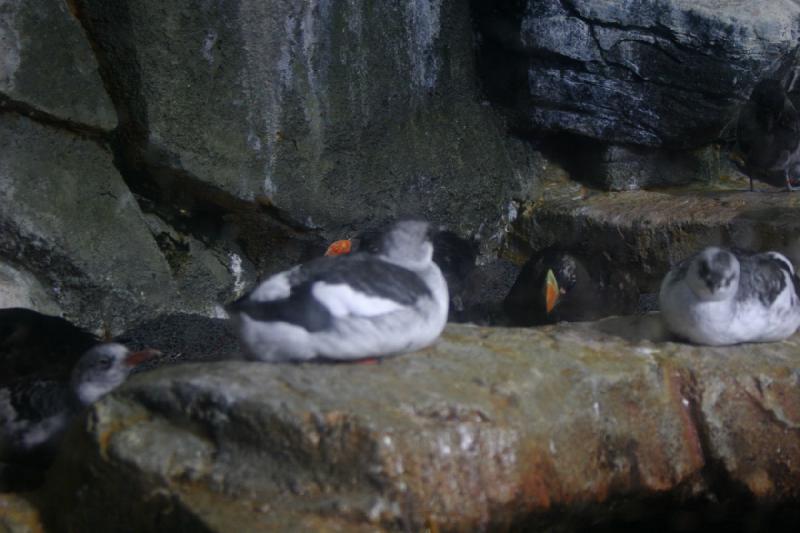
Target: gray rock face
column 659, row 73
column 487, row 428
column 47, row 65
column 68, row 219
column 21, row 289
column 333, row 112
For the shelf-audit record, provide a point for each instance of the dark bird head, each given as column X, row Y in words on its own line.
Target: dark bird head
column 543, row 286
column 713, row 274
column 104, row 368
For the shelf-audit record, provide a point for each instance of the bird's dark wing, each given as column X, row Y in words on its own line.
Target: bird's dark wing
column 762, row 276
column 36, row 400
column 300, row 308
column 368, row 275
column 360, row 273
column 524, row 303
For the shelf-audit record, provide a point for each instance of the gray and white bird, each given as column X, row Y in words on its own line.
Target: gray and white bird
column 34, row 412
column 349, row 307
column 721, row 297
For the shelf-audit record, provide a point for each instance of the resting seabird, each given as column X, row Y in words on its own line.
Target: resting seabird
column 556, row 285
column 768, row 133
column 351, row 306
column 720, row 297
column 34, row 412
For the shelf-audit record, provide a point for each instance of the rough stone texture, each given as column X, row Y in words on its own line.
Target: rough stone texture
column 336, row 113
column 487, row 428
column 655, row 73
column 20, row 289
column 649, row 231
column 68, row 220
column 623, row 168
column 47, row 65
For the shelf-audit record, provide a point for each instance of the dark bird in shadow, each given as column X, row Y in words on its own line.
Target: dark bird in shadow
column 35, row 411
column 32, row 343
column 556, row 285
column 768, row 134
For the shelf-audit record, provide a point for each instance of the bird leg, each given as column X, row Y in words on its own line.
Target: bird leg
column 789, row 186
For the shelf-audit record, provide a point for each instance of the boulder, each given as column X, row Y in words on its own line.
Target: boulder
column 48, row 69
column 70, row 220
column 662, row 73
column 488, row 428
column 336, row 115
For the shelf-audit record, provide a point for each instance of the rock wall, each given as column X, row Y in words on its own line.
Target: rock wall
column 160, row 157
column 632, row 76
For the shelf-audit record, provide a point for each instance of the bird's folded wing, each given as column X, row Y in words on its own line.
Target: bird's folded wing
column 342, row 300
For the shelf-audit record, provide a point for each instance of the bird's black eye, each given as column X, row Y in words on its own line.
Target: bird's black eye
column 104, row 363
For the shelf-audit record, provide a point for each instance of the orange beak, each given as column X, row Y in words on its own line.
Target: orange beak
column 551, row 291
column 341, row 247
column 136, row 358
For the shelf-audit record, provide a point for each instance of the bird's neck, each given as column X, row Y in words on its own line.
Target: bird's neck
column 88, row 392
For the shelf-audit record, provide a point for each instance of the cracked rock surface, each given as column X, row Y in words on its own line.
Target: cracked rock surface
column 488, row 428
column 658, row 73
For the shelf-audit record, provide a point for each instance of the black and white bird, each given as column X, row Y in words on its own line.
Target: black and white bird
column 721, row 297
column 351, row 306
column 556, row 285
column 768, row 133
column 34, row 412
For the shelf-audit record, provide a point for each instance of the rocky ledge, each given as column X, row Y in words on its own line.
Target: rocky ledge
column 648, row 231
column 489, row 428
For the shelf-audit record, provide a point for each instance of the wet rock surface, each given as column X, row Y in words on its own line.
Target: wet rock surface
column 489, row 428
column 661, row 73
column 332, row 114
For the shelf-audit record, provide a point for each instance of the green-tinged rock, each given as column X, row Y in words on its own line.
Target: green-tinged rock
column 47, row 65
column 67, row 216
column 487, row 428
column 336, row 114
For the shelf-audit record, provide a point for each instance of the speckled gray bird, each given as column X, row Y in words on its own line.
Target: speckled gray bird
column 721, row 297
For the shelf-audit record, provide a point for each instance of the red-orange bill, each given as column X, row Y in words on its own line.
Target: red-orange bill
column 135, row 358
column 551, row 291
column 340, row 247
